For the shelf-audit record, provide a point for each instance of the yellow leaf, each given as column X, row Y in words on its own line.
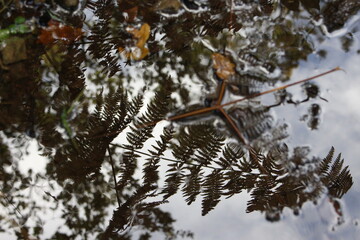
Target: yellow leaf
column 142, row 35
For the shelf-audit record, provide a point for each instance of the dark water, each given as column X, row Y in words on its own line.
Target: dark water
column 72, row 77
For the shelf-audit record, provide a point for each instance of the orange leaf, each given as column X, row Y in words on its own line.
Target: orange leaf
column 56, row 31
column 223, row 66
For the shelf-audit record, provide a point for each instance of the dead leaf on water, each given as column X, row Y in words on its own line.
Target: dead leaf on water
column 56, row 31
column 140, row 51
column 223, row 66
column 141, row 34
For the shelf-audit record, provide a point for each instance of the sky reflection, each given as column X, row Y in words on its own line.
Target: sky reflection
column 340, row 127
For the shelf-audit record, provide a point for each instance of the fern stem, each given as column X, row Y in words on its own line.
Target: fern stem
column 163, row 158
column 222, row 92
column 114, row 176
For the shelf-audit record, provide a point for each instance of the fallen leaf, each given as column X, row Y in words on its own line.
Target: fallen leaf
column 223, row 66
column 142, row 34
column 140, row 51
column 56, row 31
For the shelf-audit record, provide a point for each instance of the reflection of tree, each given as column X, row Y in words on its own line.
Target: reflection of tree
column 44, row 96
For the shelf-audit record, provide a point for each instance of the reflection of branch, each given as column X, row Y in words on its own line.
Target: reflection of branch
column 233, row 125
column 6, row 5
column 9, row 202
column 220, row 107
column 282, row 87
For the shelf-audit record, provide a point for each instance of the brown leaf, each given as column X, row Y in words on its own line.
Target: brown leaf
column 223, row 66
column 131, row 14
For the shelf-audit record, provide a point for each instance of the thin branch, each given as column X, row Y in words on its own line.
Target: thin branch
column 280, row 88
column 114, row 176
column 222, row 92
column 233, row 125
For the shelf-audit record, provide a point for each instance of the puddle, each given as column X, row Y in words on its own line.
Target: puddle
column 109, row 109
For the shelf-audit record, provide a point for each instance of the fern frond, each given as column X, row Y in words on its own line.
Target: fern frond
column 208, row 152
column 335, row 168
column 271, row 165
column 155, row 111
column 192, row 186
column 151, row 165
column 201, row 144
column 325, row 163
column 123, row 217
column 127, row 168
column 101, row 47
column 173, row 179
column 231, row 155
column 252, row 122
column 137, row 137
column 261, row 195
column 212, row 191
column 341, row 184
column 134, row 106
column 84, row 155
column 246, row 84
column 71, row 73
column 236, row 182
column 335, row 178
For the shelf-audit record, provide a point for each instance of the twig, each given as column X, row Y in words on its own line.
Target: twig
column 6, row 5
column 114, row 176
column 233, row 125
column 282, row 87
